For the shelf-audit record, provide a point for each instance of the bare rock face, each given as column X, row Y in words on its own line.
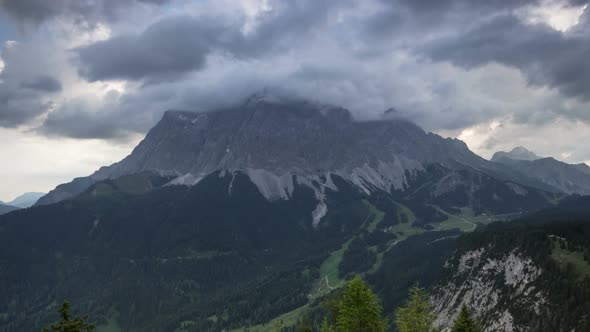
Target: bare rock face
column 278, row 141
column 490, row 285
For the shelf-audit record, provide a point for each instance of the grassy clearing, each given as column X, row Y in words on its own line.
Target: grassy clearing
column 404, row 210
column 376, row 214
column 401, row 230
column 329, row 278
column 565, row 257
column 379, row 260
column 406, row 229
column 466, row 221
column 285, row 320
column 454, row 222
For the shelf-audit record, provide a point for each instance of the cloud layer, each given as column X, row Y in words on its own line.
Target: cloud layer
column 106, row 69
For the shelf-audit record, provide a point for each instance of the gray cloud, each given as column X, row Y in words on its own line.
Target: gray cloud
column 43, row 83
column 548, row 57
column 108, row 118
column 174, row 46
column 436, row 62
column 25, row 85
column 19, row 106
column 37, row 11
column 166, row 50
column 83, row 124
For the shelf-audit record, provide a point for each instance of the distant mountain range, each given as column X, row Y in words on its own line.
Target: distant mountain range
column 518, row 153
column 232, row 218
column 26, row 200
column 23, row 201
column 568, row 178
column 5, row 208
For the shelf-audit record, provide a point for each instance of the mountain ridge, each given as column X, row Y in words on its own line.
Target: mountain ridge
column 517, row 153
column 26, row 200
column 5, row 208
column 568, row 178
column 273, row 140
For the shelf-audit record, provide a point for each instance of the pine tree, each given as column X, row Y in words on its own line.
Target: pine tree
column 416, row 315
column 360, row 309
column 327, row 327
column 69, row 323
column 464, row 322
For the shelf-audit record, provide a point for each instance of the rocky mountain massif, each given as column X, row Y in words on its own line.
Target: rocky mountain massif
column 275, row 141
column 254, row 214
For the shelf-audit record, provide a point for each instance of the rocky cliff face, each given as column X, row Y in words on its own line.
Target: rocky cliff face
column 492, row 286
column 277, row 142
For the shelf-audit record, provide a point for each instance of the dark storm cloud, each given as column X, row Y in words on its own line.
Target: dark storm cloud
column 18, row 106
column 37, row 11
column 171, row 48
column 43, row 83
column 471, row 34
column 115, row 117
column 25, row 85
column 394, row 53
column 83, row 124
column 427, row 19
column 548, row 57
column 287, row 24
column 443, row 8
column 165, row 50
column 423, row 16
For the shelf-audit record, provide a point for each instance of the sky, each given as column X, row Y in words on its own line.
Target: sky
column 81, row 82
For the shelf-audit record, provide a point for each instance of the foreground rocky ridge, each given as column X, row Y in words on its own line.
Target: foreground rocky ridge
column 531, row 274
column 490, row 286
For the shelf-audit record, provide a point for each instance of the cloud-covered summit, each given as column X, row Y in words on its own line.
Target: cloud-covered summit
column 494, row 73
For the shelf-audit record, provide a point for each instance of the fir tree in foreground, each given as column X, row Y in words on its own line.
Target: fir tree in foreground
column 359, row 310
column 70, row 323
column 326, row 327
column 416, row 315
column 464, row 322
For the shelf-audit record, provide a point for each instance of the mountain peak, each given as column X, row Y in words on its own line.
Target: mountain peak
column 518, row 153
column 26, row 200
column 276, row 138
